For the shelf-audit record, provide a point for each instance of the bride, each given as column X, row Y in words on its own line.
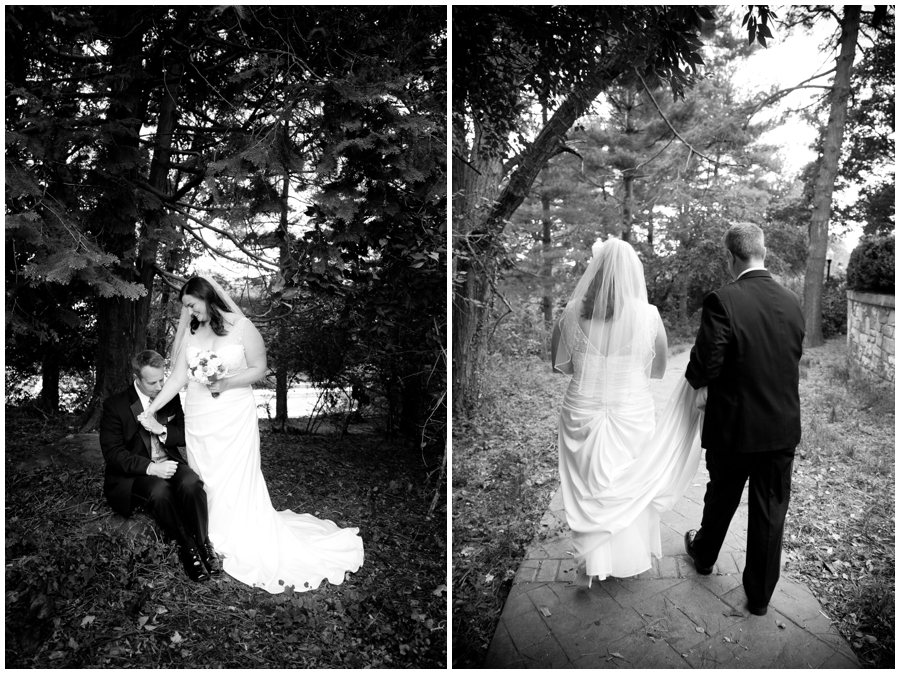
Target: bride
column 618, row 468
column 261, row 547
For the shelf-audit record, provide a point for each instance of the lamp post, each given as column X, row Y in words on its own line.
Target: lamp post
column 829, row 256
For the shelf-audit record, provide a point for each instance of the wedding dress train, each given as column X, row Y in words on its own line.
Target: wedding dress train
column 261, row 547
column 618, row 469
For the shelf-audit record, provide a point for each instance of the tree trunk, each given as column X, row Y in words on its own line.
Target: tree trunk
column 828, row 169
column 546, row 241
column 281, row 378
column 475, row 189
column 166, row 294
column 122, row 322
column 115, row 347
column 480, row 212
column 628, row 177
column 547, row 264
column 50, row 379
column 627, row 206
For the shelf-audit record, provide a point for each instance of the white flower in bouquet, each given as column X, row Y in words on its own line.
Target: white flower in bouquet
column 205, row 368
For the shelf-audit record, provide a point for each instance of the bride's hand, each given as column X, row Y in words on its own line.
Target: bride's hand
column 218, row 386
column 702, row 394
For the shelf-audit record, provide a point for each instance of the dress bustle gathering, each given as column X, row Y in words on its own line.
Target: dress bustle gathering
column 619, row 470
column 261, row 546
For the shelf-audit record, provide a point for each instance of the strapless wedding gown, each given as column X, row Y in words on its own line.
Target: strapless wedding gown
column 619, row 469
column 261, row 546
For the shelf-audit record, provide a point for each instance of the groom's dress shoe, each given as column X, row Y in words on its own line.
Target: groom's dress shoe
column 210, row 560
column 689, row 548
column 193, row 566
column 757, row 610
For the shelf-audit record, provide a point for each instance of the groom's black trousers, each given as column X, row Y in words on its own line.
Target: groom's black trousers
column 769, row 494
column 178, row 505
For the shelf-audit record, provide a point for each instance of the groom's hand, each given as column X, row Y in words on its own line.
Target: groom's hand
column 163, row 469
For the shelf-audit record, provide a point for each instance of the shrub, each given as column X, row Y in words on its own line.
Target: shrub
column 834, row 308
column 871, row 266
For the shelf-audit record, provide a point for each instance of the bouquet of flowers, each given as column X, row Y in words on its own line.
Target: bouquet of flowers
column 205, row 368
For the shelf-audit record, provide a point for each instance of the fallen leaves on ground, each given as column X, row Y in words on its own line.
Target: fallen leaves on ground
column 79, row 595
column 839, row 533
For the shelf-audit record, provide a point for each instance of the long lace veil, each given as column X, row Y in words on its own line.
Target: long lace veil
column 184, row 321
column 608, row 314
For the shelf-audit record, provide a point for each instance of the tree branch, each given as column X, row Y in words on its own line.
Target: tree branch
column 784, row 92
column 205, row 225
column 77, row 58
column 691, row 149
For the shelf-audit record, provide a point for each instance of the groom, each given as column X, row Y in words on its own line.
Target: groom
column 144, row 468
column 747, row 353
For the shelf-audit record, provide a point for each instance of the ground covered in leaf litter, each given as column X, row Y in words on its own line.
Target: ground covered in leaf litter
column 840, row 530
column 79, row 595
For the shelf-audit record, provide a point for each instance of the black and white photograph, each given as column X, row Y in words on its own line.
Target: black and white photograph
column 672, row 353
column 226, row 337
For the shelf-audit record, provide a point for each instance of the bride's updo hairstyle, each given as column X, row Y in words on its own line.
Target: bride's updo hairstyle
column 199, row 287
column 619, row 273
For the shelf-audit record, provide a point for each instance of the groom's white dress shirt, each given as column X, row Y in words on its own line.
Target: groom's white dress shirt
column 156, row 451
column 751, row 269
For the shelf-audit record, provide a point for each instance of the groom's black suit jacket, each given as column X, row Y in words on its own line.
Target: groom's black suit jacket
column 748, row 353
column 126, row 444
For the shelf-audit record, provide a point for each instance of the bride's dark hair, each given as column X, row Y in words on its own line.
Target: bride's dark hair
column 199, row 287
column 587, row 304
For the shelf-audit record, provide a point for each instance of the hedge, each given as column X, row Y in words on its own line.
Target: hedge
column 871, row 266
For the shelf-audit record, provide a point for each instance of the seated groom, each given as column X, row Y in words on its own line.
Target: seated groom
column 145, row 470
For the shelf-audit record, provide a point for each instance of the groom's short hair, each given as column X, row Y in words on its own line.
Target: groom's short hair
column 146, row 358
column 745, row 241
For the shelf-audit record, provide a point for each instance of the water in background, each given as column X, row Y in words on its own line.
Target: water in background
column 301, row 399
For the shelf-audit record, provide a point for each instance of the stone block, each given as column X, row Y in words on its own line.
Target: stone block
column 547, row 572
column 566, row 572
column 668, row 567
column 527, row 571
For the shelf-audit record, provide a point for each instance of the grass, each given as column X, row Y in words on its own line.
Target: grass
column 839, row 536
column 79, row 595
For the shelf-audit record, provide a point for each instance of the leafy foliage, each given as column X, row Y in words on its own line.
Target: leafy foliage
column 80, row 595
column 252, row 109
column 871, row 266
column 378, row 243
column 504, row 55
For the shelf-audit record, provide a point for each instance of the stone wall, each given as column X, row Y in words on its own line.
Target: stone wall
column 870, row 333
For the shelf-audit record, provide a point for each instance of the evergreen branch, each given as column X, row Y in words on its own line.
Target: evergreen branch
column 212, row 249
column 205, row 225
column 691, row 149
column 671, row 140
column 164, row 275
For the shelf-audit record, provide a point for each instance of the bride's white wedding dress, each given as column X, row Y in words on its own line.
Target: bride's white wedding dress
column 618, row 469
column 261, row 547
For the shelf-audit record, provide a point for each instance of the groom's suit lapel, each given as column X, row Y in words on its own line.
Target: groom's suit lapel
column 136, row 409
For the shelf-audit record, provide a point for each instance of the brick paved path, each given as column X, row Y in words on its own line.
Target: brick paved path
column 667, row 617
